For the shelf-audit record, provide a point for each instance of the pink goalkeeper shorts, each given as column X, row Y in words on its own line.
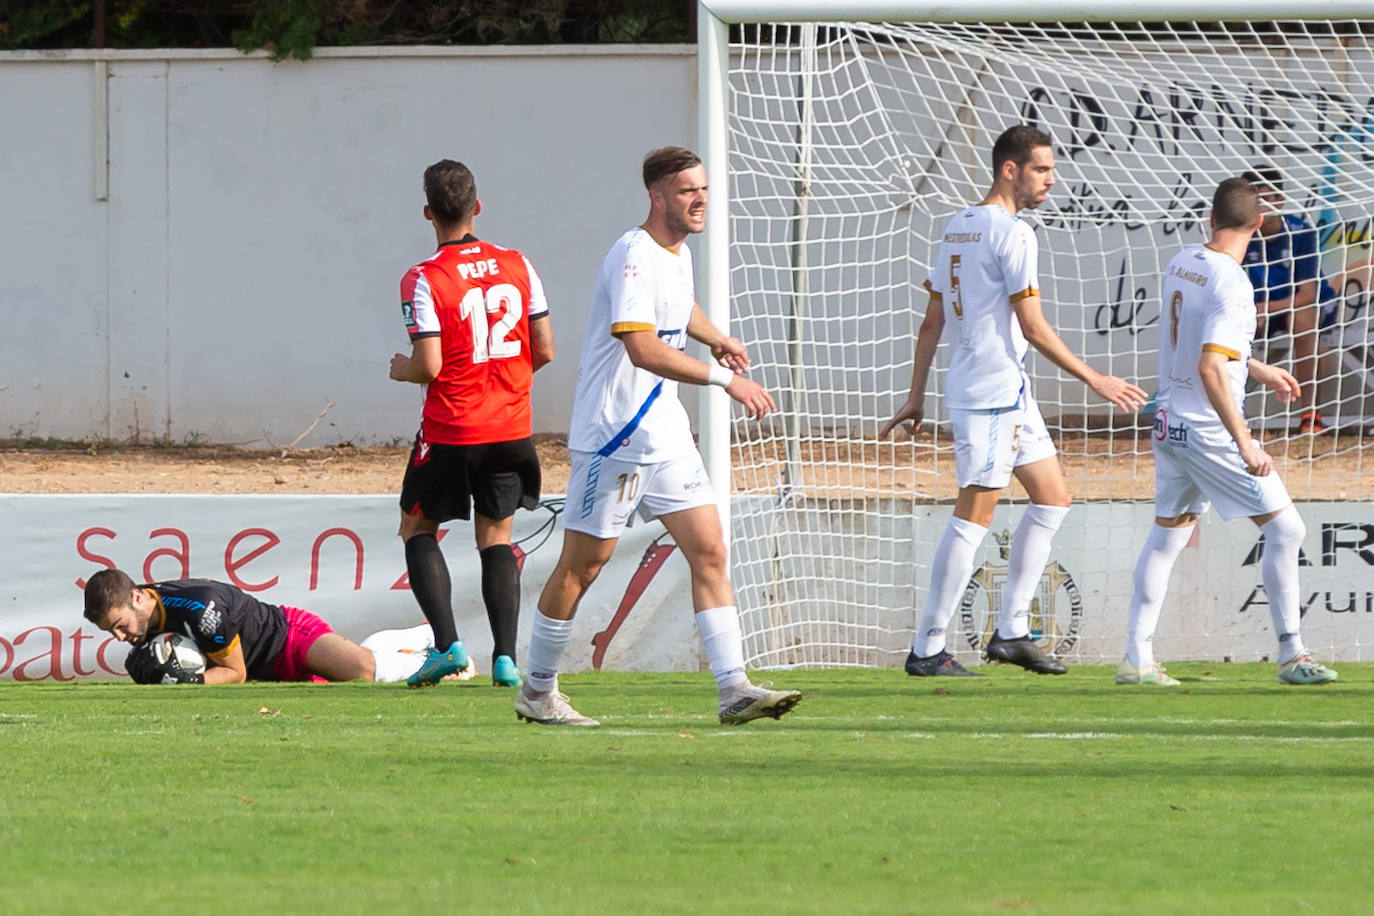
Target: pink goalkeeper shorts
column 302, row 629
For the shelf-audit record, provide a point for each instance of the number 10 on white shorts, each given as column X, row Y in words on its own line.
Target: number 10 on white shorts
column 604, row 493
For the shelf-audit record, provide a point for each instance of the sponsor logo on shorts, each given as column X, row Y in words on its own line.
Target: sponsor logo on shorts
column 1177, row 433
column 1056, row 611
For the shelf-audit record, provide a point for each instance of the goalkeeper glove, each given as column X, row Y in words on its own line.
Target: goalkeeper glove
column 173, row 673
column 144, row 668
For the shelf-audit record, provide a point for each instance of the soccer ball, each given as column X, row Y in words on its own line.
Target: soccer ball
column 169, row 645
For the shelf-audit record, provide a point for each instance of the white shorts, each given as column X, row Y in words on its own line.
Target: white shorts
column 604, row 493
column 1189, row 478
column 988, row 444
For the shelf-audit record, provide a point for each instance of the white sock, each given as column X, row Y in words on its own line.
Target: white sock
column 399, row 653
column 1151, row 582
column 548, row 639
column 412, row 639
column 724, row 644
column 950, row 569
column 1283, row 536
column 396, row 665
column 1030, row 551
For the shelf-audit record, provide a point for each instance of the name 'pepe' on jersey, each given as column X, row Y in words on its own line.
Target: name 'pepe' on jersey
column 479, row 298
column 619, row 408
column 218, row 617
column 1209, row 304
column 987, row 260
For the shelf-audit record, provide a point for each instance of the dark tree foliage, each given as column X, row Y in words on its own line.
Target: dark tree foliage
column 294, row 28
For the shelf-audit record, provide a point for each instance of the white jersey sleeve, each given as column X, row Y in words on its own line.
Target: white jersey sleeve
column 417, row 304
column 538, row 305
column 1019, row 255
column 633, row 292
column 1229, row 324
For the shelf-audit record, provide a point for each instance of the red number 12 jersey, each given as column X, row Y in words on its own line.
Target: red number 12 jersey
column 478, row 298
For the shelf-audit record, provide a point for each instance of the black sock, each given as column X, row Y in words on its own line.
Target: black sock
column 429, row 581
column 501, row 595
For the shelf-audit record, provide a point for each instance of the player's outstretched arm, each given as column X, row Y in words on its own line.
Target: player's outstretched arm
column 1041, row 335
column 1282, row 383
column 648, row 352
column 726, row 350
column 1216, row 382
column 927, row 340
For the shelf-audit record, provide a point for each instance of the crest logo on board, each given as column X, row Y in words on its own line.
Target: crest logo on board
column 1056, row 611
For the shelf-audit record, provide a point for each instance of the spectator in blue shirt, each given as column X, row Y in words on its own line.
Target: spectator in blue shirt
column 1285, row 268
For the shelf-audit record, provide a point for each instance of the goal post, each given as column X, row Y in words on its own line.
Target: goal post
column 839, row 137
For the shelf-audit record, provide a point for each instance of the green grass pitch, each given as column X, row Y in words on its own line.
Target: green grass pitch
column 880, row 794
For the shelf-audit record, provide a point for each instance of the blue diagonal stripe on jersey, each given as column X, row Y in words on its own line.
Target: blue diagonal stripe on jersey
column 626, row 431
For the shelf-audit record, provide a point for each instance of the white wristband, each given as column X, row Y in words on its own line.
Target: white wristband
column 719, row 375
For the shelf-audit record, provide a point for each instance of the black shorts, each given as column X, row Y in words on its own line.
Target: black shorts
column 445, row 482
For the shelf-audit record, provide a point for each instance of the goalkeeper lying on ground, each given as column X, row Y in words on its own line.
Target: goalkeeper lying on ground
column 242, row 638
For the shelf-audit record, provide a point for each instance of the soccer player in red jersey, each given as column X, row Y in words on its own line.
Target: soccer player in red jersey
column 479, row 328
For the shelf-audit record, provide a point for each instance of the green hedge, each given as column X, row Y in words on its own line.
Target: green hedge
column 294, row 28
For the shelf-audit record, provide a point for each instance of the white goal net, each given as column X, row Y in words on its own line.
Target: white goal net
column 849, row 146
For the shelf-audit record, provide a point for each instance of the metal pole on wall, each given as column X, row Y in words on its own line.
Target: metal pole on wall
column 101, row 111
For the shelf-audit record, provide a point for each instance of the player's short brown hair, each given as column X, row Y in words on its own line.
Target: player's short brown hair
column 105, row 591
column 667, row 161
column 1015, row 145
column 1235, row 205
column 450, row 191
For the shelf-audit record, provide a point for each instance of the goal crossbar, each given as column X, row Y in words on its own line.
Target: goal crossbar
column 754, row 11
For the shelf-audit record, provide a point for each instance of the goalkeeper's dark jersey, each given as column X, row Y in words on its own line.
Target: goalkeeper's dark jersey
column 217, row 616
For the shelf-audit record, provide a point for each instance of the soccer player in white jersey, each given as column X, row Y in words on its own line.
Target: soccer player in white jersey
column 1204, row 454
column 632, row 448
column 983, row 287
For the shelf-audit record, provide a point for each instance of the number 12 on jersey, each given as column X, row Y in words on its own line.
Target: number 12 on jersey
column 490, row 341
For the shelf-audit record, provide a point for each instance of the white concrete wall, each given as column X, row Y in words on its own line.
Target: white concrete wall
column 244, row 269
